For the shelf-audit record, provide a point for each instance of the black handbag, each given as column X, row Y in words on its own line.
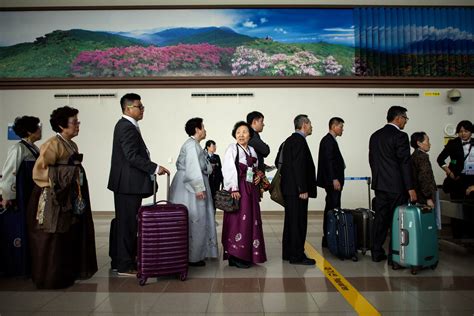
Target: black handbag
column 223, row 199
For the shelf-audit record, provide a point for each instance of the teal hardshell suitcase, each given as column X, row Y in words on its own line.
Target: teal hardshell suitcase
column 414, row 238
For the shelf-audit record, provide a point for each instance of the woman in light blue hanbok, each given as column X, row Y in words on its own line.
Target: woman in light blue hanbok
column 190, row 187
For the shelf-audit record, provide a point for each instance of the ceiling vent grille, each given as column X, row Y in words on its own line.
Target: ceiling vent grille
column 85, row 95
column 225, row 95
column 390, row 95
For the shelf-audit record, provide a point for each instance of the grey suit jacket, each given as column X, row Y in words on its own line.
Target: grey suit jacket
column 131, row 166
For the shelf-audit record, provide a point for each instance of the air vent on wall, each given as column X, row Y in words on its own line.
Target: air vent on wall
column 402, row 95
column 204, row 95
column 85, row 95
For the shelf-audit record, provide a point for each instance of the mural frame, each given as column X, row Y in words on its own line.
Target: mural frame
column 223, row 81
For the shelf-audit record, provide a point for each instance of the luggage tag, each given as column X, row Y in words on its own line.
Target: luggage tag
column 249, row 177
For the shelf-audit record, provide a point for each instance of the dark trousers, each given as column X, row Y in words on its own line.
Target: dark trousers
column 384, row 206
column 295, row 227
column 126, row 210
column 333, row 200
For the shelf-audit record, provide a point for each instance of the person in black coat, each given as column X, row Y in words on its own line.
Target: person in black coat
column 460, row 169
column 331, row 169
column 298, row 183
column 389, row 159
column 215, row 178
column 130, row 179
column 255, row 120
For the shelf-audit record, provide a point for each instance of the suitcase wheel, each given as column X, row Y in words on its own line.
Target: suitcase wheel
column 142, row 281
column 183, row 276
column 414, row 271
column 434, row 265
column 355, row 258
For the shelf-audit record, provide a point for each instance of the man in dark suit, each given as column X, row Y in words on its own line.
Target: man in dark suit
column 130, row 179
column 216, row 179
column 331, row 169
column 255, row 120
column 389, row 159
column 298, row 183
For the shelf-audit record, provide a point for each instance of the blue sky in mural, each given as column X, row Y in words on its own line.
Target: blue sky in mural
column 285, row 25
column 298, row 25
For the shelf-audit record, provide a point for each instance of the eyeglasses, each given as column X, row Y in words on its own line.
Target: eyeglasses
column 405, row 117
column 140, row 107
column 74, row 122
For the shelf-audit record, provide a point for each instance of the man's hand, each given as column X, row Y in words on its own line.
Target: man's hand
column 162, row 170
column 336, row 184
column 470, row 190
column 201, row 195
column 6, row 203
column 304, row 196
column 412, row 195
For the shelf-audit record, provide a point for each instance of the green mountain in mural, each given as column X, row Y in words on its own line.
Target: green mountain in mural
column 51, row 55
column 222, row 37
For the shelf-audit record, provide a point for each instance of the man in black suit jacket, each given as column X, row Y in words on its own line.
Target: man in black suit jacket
column 216, row 179
column 389, row 158
column 255, row 120
column 130, row 179
column 298, row 183
column 331, row 169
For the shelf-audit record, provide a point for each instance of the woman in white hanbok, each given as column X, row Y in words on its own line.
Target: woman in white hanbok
column 190, row 187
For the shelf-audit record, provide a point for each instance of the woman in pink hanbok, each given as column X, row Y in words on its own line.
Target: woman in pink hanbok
column 242, row 233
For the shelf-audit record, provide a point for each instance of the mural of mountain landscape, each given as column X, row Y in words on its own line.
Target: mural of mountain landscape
column 281, row 42
column 221, row 42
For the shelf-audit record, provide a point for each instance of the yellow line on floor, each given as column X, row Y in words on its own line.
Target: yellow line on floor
column 350, row 293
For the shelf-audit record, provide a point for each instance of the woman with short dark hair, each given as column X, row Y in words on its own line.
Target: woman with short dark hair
column 59, row 214
column 242, row 233
column 16, row 186
column 190, row 187
column 423, row 177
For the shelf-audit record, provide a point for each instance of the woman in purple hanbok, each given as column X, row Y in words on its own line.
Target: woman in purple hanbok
column 242, row 234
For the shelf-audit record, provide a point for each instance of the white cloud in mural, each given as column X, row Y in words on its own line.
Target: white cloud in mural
column 249, row 24
column 263, row 20
column 280, row 30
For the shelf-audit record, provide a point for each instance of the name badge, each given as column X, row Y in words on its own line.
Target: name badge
column 81, row 178
column 249, row 177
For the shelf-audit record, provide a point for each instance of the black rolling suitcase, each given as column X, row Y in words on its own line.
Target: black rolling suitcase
column 341, row 234
column 363, row 220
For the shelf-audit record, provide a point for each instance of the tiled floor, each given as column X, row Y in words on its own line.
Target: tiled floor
column 273, row 288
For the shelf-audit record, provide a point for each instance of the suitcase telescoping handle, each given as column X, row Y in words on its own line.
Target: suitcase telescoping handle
column 369, row 181
column 155, row 186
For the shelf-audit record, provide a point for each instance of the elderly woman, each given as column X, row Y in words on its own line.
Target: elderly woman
column 423, row 177
column 190, row 187
column 59, row 216
column 16, row 186
column 242, row 233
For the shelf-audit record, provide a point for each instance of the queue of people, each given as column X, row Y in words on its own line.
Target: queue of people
column 61, row 243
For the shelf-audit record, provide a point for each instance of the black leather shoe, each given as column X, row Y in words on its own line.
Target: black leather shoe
column 197, row 264
column 235, row 262
column 305, row 261
column 379, row 258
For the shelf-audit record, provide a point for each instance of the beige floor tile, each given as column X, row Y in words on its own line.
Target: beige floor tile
column 288, row 303
column 403, row 302
column 132, row 303
column 235, row 303
column 446, row 301
column 181, row 303
column 75, row 301
column 314, row 314
column 25, row 301
column 175, row 314
column 331, row 302
column 60, row 314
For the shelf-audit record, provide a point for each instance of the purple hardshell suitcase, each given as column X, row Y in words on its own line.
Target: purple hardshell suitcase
column 162, row 239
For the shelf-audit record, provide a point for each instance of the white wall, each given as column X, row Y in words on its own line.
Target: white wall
column 167, row 110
